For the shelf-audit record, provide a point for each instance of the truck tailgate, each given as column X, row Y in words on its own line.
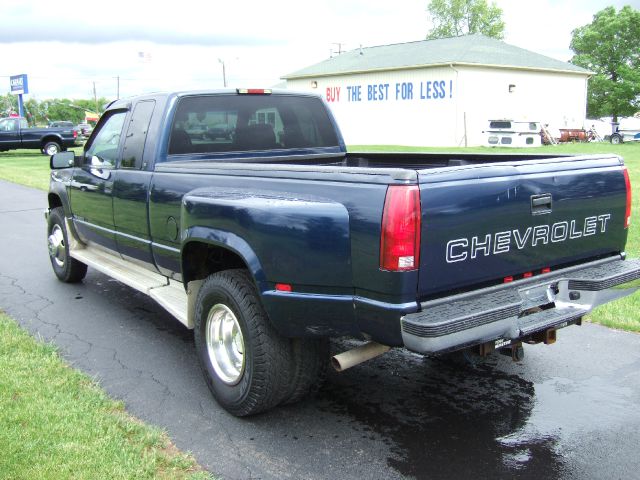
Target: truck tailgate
column 485, row 224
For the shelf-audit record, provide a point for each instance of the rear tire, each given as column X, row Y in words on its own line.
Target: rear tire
column 616, row 139
column 309, row 368
column 51, row 148
column 66, row 268
column 246, row 363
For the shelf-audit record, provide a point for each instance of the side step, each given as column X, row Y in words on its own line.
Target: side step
column 168, row 293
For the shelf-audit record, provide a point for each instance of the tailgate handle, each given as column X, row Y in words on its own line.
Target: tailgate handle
column 541, row 204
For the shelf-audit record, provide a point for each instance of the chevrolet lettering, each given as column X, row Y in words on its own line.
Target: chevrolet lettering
column 461, row 249
column 242, row 213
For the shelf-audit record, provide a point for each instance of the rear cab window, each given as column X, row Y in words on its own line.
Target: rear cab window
column 239, row 123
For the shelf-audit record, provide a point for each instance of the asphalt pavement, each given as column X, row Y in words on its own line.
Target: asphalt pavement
column 570, row 410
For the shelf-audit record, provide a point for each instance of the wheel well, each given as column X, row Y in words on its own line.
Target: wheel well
column 54, row 201
column 200, row 260
column 46, row 140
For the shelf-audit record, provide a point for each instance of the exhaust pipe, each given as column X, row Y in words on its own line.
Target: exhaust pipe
column 354, row 357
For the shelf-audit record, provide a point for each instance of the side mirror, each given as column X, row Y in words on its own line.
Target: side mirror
column 62, row 160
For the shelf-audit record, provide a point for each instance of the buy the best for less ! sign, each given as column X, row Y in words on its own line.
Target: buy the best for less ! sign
column 382, row 92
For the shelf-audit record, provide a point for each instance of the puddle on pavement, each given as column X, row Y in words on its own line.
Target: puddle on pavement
column 445, row 420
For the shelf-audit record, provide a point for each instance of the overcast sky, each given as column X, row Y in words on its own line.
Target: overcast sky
column 64, row 47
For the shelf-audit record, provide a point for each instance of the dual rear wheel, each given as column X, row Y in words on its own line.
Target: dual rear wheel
column 248, row 366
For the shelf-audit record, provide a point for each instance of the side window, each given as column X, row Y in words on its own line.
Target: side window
column 137, row 135
column 23, row 123
column 103, row 149
column 9, row 125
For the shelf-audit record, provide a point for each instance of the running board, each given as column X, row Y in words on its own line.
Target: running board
column 168, row 293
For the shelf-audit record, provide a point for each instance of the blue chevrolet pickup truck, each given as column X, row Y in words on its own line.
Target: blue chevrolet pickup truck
column 271, row 239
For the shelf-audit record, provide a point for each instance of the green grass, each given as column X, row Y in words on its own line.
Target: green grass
column 57, row 424
column 26, row 167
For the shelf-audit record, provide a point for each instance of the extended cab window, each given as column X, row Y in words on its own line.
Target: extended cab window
column 103, row 149
column 225, row 123
column 137, row 135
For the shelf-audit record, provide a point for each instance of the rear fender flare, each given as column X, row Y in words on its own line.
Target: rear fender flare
column 229, row 241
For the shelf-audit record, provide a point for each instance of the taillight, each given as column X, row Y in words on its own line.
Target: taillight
column 400, row 238
column 75, row 134
column 627, row 183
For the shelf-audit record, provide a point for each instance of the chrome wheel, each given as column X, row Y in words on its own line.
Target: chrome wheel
column 225, row 344
column 56, row 246
column 51, row 149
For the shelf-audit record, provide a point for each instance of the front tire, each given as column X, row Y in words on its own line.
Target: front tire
column 246, row 363
column 66, row 268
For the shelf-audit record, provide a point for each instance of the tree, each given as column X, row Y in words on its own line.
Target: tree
column 610, row 47
column 8, row 104
column 45, row 111
column 453, row 18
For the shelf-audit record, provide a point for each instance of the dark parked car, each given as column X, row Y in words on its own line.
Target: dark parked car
column 84, row 129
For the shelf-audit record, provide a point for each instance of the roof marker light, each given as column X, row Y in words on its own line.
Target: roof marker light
column 253, row 91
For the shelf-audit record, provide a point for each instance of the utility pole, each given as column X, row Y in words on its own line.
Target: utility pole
column 95, row 98
column 224, row 73
column 117, row 88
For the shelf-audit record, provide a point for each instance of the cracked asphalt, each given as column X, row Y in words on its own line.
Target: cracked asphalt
column 568, row 411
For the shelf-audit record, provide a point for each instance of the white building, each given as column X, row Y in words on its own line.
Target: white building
column 444, row 92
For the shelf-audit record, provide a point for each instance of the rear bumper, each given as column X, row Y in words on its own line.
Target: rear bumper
column 512, row 311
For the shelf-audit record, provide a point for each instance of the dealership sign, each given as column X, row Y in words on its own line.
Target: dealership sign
column 19, row 84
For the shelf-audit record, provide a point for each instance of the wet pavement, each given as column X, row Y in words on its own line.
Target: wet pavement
column 570, row 410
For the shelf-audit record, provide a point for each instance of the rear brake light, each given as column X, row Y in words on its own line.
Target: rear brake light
column 400, row 238
column 627, row 183
column 253, row 91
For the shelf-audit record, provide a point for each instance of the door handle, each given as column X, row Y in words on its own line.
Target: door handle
column 541, row 204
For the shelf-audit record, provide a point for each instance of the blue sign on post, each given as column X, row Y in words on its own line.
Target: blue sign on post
column 19, row 86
